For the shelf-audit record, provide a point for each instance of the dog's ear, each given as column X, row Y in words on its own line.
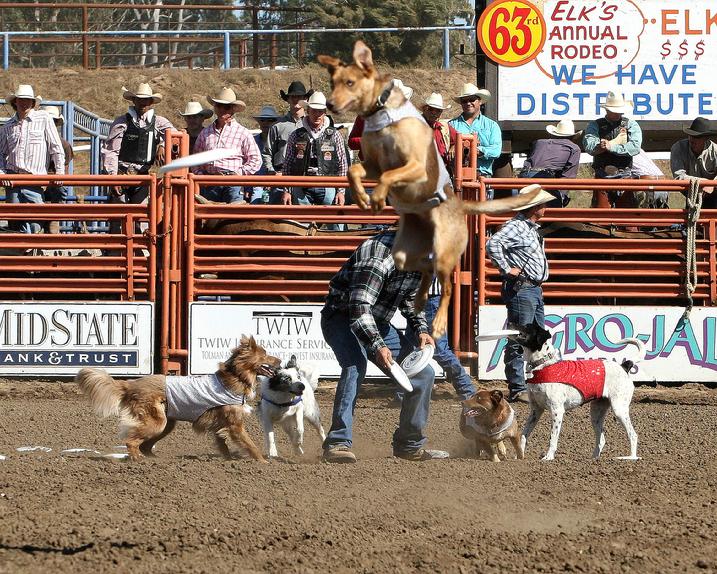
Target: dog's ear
column 362, row 57
column 330, row 63
column 292, row 363
column 542, row 335
column 496, row 397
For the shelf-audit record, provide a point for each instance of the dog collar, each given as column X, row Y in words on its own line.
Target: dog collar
column 296, row 401
column 381, row 100
column 491, row 431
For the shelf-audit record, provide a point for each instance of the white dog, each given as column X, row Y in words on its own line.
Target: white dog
column 288, row 399
column 561, row 386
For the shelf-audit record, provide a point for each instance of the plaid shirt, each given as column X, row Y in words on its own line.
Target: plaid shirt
column 518, row 244
column 233, row 135
column 28, row 145
column 369, row 289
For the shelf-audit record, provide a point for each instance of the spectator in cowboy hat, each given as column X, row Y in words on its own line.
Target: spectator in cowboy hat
column 58, row 193
column 135, row 141
column 555, row 157
column 194, row 115
column 226, row 132
column 275, row 148
column 472, row 121
column 696, row 157
column 29, row 141
column 431, row 110
column 613, row 141
column 266, row 118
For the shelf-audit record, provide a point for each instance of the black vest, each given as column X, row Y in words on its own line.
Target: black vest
column 317, row 157
column 608, row 131
column 136, row 146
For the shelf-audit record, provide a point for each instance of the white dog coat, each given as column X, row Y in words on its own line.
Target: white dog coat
column 190, row 397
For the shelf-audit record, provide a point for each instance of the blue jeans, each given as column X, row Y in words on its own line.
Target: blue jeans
column 445, row 357
column 25, row 194
column 316, row 196
column 524, row 306
column 353, row 360
column 256, row 195
column 223, row 193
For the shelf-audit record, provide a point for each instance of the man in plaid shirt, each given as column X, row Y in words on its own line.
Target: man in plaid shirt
column 516, row 249
column 363, row 297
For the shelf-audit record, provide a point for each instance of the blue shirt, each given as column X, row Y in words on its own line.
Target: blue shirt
column 489, row 139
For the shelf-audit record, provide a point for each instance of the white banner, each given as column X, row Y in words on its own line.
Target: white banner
column 282, row 329
column 676, row 352
column 60, row 338
column 659, row 53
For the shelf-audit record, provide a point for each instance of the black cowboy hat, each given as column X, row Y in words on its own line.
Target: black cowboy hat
column 296, row 88
column 700, row 127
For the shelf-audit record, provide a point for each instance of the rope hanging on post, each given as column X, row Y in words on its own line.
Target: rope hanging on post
column 692, row 215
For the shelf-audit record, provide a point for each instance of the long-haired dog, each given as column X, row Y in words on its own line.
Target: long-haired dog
column 560, row 386
column 400, row 152
column 288, row 399
column 149, row 407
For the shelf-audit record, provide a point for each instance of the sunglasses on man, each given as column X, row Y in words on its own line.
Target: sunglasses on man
column 469, row 99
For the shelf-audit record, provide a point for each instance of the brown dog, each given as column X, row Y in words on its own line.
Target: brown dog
column 488, row 419
column 399, row 151
column 150, row 406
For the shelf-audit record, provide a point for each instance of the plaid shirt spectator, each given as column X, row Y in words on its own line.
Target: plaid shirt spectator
column 28, row 145
column 518, row 244
column 369, row 289
column 233, row 135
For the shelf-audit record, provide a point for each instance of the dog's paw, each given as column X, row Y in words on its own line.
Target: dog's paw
column 628, row 458
column 548, row 457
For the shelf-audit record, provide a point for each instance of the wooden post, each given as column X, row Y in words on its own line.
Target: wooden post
column 85, row 42
column 98, row 56
column 255, row 38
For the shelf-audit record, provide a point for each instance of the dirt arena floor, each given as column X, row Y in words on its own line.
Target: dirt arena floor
column 190, row 511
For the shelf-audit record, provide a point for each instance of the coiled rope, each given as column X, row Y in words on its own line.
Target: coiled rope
column 692, row 215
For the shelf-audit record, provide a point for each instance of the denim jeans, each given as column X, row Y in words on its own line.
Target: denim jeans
column 223, row 193
column 445, row 357
column 135, row 194
column 353, row 360
column 524, row 306
column 256, row 195
column 313, row 195
column 25, row 194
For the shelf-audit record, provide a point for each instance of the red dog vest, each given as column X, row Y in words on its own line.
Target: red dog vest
column 587, row 376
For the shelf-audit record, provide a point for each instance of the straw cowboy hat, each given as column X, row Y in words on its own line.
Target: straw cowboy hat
column 24, row 91
column 227, row 96
column 196, row 109
column 617, row 103
column 435, row 100
column 267, row 113
column 542, row 197
column 473, row 90
column 564, row 129
column 143, row 91
column 55, row 113
column 700, row 127
column 296, row 88
column 316, row 101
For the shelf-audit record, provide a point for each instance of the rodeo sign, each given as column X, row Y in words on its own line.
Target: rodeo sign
column 559, row 58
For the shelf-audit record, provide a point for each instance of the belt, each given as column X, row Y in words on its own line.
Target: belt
column 524, row 281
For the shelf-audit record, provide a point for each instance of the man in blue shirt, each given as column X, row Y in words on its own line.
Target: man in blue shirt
column 471, row 121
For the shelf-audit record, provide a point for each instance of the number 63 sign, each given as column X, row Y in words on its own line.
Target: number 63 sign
column 511, row 32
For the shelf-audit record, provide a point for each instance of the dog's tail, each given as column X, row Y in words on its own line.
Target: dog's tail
column 627, row 364
column 104, row 393
column 503, row 205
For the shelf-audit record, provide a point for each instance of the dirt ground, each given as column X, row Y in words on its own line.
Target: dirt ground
column 190, row 511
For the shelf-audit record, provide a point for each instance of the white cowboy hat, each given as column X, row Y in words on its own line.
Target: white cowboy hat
column 24, row 91
column 55, row 113
column 195, row 109
column 407, row 91
column 542, row 197
column 316, row 101
column 267, row 113
column 564, row 129
column 473, row 90
column 617, row 103
column 227, row 96
column 143, row 91
column 435, row 100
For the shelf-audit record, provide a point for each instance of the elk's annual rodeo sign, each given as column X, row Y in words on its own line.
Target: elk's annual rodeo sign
column 559, row 58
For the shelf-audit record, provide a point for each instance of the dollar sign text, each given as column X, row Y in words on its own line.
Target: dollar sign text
column 666, row 49
column 682, row 50
column 699, row 49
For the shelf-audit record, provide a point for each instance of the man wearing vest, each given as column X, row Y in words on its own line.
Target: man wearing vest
column 132, row 144
column 315, row 148
column 613, row 141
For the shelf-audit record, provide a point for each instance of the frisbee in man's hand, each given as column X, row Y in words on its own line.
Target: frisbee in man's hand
column 196, row 159
column 495, row 335
column 401, row 377
column 417, row 361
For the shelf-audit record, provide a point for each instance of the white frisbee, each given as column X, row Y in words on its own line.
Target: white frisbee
column 196, row 159
column 495, row 335
column 401, row 377
column 416, row 361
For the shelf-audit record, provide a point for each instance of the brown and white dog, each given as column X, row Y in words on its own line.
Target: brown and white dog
column 149, row 407
column 488, row 420
column 400, row 152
